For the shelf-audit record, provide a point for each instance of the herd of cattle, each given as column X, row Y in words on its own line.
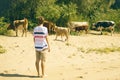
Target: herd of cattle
column 64, row 31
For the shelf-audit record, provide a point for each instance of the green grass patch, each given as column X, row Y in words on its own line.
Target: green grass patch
column 81, row 49
column 9, row 33
column 100, row 50
column 73, row 33
column 2, row 50
column 67, row 44
column 104, row 50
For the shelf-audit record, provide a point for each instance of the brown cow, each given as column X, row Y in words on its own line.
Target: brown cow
column 19, row 24
column 50, row 26
column 78, row 26
column 62, row 31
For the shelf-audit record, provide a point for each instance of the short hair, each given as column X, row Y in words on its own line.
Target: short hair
column 40, row 20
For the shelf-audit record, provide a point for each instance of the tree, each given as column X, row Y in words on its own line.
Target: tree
column 116, row 5
column 59, row 14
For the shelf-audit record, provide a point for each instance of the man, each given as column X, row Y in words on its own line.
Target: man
column 41, row 45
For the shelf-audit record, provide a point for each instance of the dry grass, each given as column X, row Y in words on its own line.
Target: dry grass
column 81, row 49
column 67, row 44
column 9, row 33
column 2, row 50
column 100, row 50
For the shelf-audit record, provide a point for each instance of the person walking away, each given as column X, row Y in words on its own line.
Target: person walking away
column 41, row 42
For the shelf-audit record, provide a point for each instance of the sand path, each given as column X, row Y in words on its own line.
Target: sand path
column 64, row 62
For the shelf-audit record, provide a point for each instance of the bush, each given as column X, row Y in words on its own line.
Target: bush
column 59, row 14
column 31, row 25
column 3, row 26
column 9, row 33
column 2, row 50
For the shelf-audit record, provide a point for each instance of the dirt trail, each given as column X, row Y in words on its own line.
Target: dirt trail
column 64, row 62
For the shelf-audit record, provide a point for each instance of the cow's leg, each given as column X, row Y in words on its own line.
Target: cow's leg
column 56, row 37
column 61, row 36
column 23, row 31
column 16, row 30
column 86, row 31
column 101, row 31
column 66, row 38
column 112, row 30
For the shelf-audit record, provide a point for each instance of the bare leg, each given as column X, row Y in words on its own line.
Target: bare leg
column 37, row 66
column 43, row 68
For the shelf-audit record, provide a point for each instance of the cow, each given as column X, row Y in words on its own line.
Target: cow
column 100, row 25
column 19, row 24
column 62, row 31
column 78, row 26
column 50, row 26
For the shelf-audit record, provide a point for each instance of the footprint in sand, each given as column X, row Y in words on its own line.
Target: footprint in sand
column 5, row 71
column 80, row 77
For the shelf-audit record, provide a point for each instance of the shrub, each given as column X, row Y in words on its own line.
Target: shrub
column 31, row 25
column 104, row 50
column 9, row 33
column 3, row 26
column 2, row 50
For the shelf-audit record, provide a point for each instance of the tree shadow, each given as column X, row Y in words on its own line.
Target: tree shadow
column 17, row 75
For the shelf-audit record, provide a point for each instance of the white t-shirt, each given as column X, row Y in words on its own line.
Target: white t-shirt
column 40, row 33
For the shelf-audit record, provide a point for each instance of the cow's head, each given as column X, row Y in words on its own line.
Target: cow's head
column 10, row 26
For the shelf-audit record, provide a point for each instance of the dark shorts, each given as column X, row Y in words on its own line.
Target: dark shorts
column 41, row 55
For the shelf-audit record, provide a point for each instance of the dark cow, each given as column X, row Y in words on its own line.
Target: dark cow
column 78, row 26
column 100, row 25
column 19, row 24
column 50, row 26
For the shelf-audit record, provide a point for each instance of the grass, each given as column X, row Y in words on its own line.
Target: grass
column 70, row 56
column 2, row 50
column 77, row 33
column 100, row 50
column 9, row 33
column 81, row 49
column 67, row 44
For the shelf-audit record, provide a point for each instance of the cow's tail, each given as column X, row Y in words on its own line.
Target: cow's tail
column 26, row 23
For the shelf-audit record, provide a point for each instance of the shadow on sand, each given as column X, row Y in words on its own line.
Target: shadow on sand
column 17, row 75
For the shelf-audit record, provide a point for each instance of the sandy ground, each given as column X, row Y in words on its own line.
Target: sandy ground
column 64, row 62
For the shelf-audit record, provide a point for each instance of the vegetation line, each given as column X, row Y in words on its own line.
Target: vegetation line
column 100, row 50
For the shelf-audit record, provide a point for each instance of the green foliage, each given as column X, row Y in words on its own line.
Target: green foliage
column 3, row 26
column 32, row 24
column 51, row 13
column 104, row 50
column 61, row 11
column 2, row 50
column 73, row 33
column 100, row 50
column 9, row 33
column 116, row 5
column 67, row 13
column 59, row 14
